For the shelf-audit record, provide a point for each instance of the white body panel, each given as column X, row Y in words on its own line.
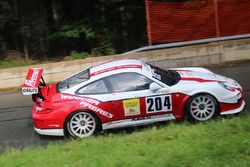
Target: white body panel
column 50, row 132
column 136, row 122
column 194, row 80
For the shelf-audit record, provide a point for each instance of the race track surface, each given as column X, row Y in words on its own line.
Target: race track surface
column 16, row 128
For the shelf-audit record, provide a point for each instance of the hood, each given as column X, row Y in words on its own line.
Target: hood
column 200, row 77
column 194, row 76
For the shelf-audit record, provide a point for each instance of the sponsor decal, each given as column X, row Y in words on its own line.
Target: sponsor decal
column 151, row 117
column 156, row 76
column 32, row 81
column 29, row 91
column 161, row 103
column 69, row 97
column 54, row 125
column 131, row 107
column 96, row 109
column 138, row 121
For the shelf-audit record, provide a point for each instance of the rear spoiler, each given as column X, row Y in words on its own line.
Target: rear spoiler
column 32, row 81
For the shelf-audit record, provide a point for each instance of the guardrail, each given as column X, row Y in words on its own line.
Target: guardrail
column 195, row 55
column 187, row 43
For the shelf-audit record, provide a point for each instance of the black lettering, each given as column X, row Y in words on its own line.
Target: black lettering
column 150, row 107
column 158, row 104
column 167, row 102
column 141, row 118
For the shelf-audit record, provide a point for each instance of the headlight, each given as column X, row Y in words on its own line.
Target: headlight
column 236, row 84
column 226, row 85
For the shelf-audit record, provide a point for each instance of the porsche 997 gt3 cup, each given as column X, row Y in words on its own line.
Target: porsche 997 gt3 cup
column 127, row 93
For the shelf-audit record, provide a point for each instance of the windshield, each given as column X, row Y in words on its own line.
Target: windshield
column 169, row 77
column 73, row 80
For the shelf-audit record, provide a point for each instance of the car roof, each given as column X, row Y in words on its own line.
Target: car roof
column 127, row 64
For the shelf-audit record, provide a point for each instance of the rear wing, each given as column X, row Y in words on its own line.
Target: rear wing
column 32, row 81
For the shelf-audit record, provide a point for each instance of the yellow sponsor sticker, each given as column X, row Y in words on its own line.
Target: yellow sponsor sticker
column 131, row 107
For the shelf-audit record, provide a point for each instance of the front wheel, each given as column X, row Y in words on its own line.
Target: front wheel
column 82, row 124
column 202, row 107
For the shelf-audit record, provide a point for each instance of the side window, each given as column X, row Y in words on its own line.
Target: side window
column 129, row 81
column 97, row 87
column 73, row 80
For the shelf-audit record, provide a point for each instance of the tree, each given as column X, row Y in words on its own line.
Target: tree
column 49, row 28
column 5, row 18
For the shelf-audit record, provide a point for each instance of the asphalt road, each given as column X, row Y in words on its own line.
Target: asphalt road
column 16, row 129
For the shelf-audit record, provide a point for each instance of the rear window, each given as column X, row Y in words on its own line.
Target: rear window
column 73, row 80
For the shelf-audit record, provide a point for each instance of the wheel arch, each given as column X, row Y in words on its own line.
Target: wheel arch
column 201, row 93
column 198, row 91
column 99, row 123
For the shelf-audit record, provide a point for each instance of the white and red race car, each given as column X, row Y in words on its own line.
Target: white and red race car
column 127, row 93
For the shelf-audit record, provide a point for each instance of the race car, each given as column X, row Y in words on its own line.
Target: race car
column 126, row 93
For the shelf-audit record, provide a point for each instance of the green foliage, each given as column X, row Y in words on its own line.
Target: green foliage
column 53, row 28
column 78, row 55
column 223, row 142
column 73, row 31
column 10, row 62
column 104, row 49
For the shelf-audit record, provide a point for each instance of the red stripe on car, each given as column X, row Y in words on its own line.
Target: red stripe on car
column 198, row 80
column 115, row 68
column 224, row 107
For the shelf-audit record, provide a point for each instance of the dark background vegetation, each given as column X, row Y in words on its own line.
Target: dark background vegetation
column 44, row 29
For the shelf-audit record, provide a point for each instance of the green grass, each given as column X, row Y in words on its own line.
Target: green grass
column 223, row 142
column 20, row 62
column 9, row 63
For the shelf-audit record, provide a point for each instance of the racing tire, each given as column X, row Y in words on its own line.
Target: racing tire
column 81, row 124
column 201, row 107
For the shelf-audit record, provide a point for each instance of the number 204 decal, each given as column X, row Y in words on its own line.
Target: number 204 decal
column 159, row 103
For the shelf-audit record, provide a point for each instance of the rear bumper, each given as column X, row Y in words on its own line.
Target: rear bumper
column 44, row 118
column 47, row 121
column 50, row 132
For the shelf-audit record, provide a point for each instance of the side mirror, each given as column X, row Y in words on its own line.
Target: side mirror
column 154, row 87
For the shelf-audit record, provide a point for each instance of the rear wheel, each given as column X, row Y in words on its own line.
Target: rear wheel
column 202, row 107
column 82, row 124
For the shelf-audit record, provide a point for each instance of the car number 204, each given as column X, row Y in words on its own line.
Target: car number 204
column 159, row 103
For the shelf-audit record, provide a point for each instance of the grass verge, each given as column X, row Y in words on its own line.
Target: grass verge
column 9, row 63
column 223, row 142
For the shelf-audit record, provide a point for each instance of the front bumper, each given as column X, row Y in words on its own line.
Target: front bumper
column 232, row 108
column 50, row 132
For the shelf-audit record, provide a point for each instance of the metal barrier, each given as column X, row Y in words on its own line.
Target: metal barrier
column 187, row 43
